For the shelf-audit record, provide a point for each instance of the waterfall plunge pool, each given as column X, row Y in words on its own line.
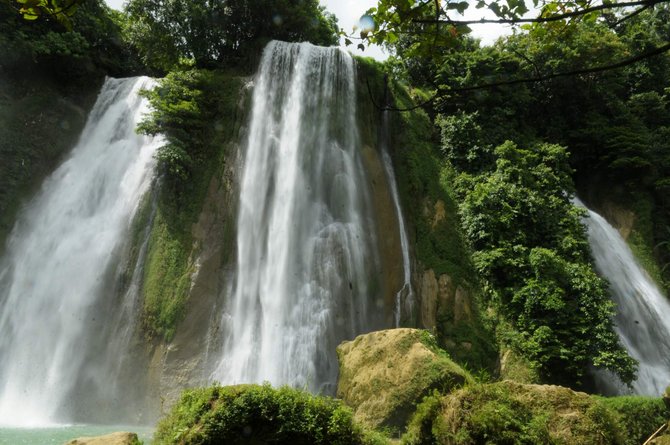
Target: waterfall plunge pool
column 59, row 435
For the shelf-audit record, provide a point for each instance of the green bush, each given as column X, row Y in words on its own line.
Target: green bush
column 508, row 413
column 639, row 416
column 254, row 414
column 532, row 252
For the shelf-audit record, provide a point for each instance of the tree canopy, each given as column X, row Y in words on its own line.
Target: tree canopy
column 223, row 32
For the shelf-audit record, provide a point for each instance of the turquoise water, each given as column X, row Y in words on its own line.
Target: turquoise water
column 61, row 434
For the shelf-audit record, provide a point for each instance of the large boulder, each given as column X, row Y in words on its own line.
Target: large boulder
column 509, row 412
column 120, row 438
column 385, row 374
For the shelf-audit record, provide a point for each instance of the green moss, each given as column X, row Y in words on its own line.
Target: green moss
column 370, row 88
column 421, row 173
column 641, row 239
column 639, row 416
column 385, row 374
column 511, row 413
column 167, row 279
column 253, row 414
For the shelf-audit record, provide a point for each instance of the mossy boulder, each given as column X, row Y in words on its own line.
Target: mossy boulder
column 385, row 374
column 254, row 414
column 661, row 440
column 120, row 438
column 513, row 413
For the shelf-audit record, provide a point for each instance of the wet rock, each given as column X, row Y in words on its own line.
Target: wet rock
column 119, row 438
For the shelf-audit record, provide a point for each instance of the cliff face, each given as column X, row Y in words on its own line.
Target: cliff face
column 41, row 120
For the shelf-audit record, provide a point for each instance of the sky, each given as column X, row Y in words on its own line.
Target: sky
column 349, row 12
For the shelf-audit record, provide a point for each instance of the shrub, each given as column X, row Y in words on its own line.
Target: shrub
column 255, row 414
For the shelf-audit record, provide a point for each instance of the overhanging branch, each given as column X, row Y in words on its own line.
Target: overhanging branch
column 551, row 18
column 592, row 70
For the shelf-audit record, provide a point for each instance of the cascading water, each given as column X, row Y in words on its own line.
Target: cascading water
column 643, row 313
column 57, row 286
column 307, row 267
column 404, row 302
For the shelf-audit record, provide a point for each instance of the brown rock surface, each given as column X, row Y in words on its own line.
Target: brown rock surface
column 119, row 438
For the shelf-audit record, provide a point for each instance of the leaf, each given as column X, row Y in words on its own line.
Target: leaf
column 348, row 42
column 361, row 47
column 461, row 7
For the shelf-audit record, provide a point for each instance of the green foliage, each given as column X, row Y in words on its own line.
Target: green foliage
column 197, row 112
column 221, row 33
column 639, row 416
column 438, row 240
column 82, row 54
column 252, row 414
column 187, row 109
column 615, row 123
column 440, row 245
column 462, row 142
column 167, row 278
column 61, row 11
column 510, row 413
column 531, row 250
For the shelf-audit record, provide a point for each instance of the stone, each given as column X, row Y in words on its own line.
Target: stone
column 119, row 438
column 385, row 374
column 429, row 294
column 512, row 412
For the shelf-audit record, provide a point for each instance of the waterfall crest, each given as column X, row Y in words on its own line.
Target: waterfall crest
column 57, row 276
column 643, row 312
column 307, row 266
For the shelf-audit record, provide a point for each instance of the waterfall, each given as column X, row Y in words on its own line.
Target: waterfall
column 307, row 267
column 404, row 300
column 643, row 312
column 57, row 290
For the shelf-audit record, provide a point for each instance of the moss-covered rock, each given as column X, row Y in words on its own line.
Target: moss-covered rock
column 385, row 374
column 253, row 414
column 120, row 438
column 513, row 413
column 639, row 416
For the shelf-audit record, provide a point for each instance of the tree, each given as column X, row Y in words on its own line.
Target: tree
column 427, row 30
column 92, row 48
column 60, row 11
column 215, row 33
column 531, row 250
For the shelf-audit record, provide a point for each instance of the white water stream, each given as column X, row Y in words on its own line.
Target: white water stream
column 643, row 312
column 404, row 301
column 307, row 268
column 57, row 290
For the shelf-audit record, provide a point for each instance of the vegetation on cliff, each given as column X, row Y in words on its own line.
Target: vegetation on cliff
column 198, row 114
